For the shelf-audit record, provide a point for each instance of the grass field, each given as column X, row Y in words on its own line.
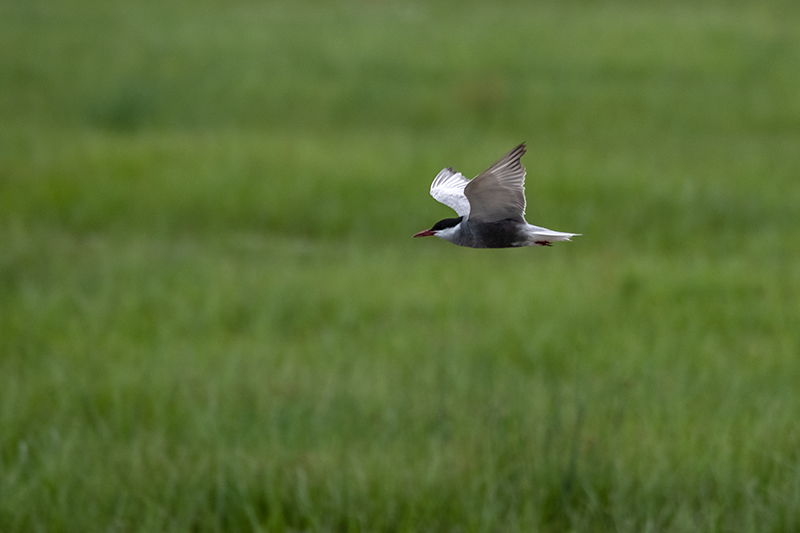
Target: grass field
column 213, row 317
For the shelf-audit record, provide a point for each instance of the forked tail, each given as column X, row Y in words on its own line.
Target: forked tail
column 544, row 236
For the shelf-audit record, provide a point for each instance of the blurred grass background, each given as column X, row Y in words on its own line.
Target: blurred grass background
column 213, row 317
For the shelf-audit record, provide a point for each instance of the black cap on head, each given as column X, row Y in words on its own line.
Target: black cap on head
column 446, row 223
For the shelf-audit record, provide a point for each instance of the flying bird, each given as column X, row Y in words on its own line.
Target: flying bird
column 490, row 208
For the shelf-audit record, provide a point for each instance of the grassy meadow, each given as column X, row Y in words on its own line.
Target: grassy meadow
column 213, row 316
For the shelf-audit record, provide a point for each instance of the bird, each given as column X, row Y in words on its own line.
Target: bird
column 490, row 208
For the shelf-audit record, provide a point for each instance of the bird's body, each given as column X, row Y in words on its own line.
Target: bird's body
column 491, row 208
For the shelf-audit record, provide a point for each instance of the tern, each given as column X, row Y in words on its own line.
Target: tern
column 490, row 208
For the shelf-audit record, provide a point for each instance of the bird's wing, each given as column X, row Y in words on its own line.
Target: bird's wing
column 448, row 188
column 498, row 192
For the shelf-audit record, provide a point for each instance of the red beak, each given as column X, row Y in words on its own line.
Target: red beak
column 426, row 233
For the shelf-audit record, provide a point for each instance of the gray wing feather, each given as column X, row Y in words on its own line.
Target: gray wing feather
column 498, row 192
column 448, row 188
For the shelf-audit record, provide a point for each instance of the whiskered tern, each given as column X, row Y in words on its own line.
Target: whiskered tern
column 490, row 208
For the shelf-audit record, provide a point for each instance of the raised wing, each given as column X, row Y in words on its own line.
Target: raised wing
column 498, row 192
column 448, row 188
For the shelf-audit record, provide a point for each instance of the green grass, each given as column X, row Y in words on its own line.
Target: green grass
column 213, row 317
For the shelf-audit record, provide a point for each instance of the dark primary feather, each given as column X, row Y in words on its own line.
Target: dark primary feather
column 498, row 193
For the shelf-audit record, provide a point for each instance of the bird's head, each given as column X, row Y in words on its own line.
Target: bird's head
column 441, row 229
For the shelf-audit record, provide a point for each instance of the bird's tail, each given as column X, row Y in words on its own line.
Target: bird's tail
column 538, row 234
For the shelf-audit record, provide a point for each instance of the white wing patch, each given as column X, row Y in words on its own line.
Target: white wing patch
column 448, row 188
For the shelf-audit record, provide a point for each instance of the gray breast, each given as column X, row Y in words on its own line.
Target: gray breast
column 498, row 234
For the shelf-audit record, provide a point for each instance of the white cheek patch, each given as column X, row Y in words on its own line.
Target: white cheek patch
column 448, row 233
